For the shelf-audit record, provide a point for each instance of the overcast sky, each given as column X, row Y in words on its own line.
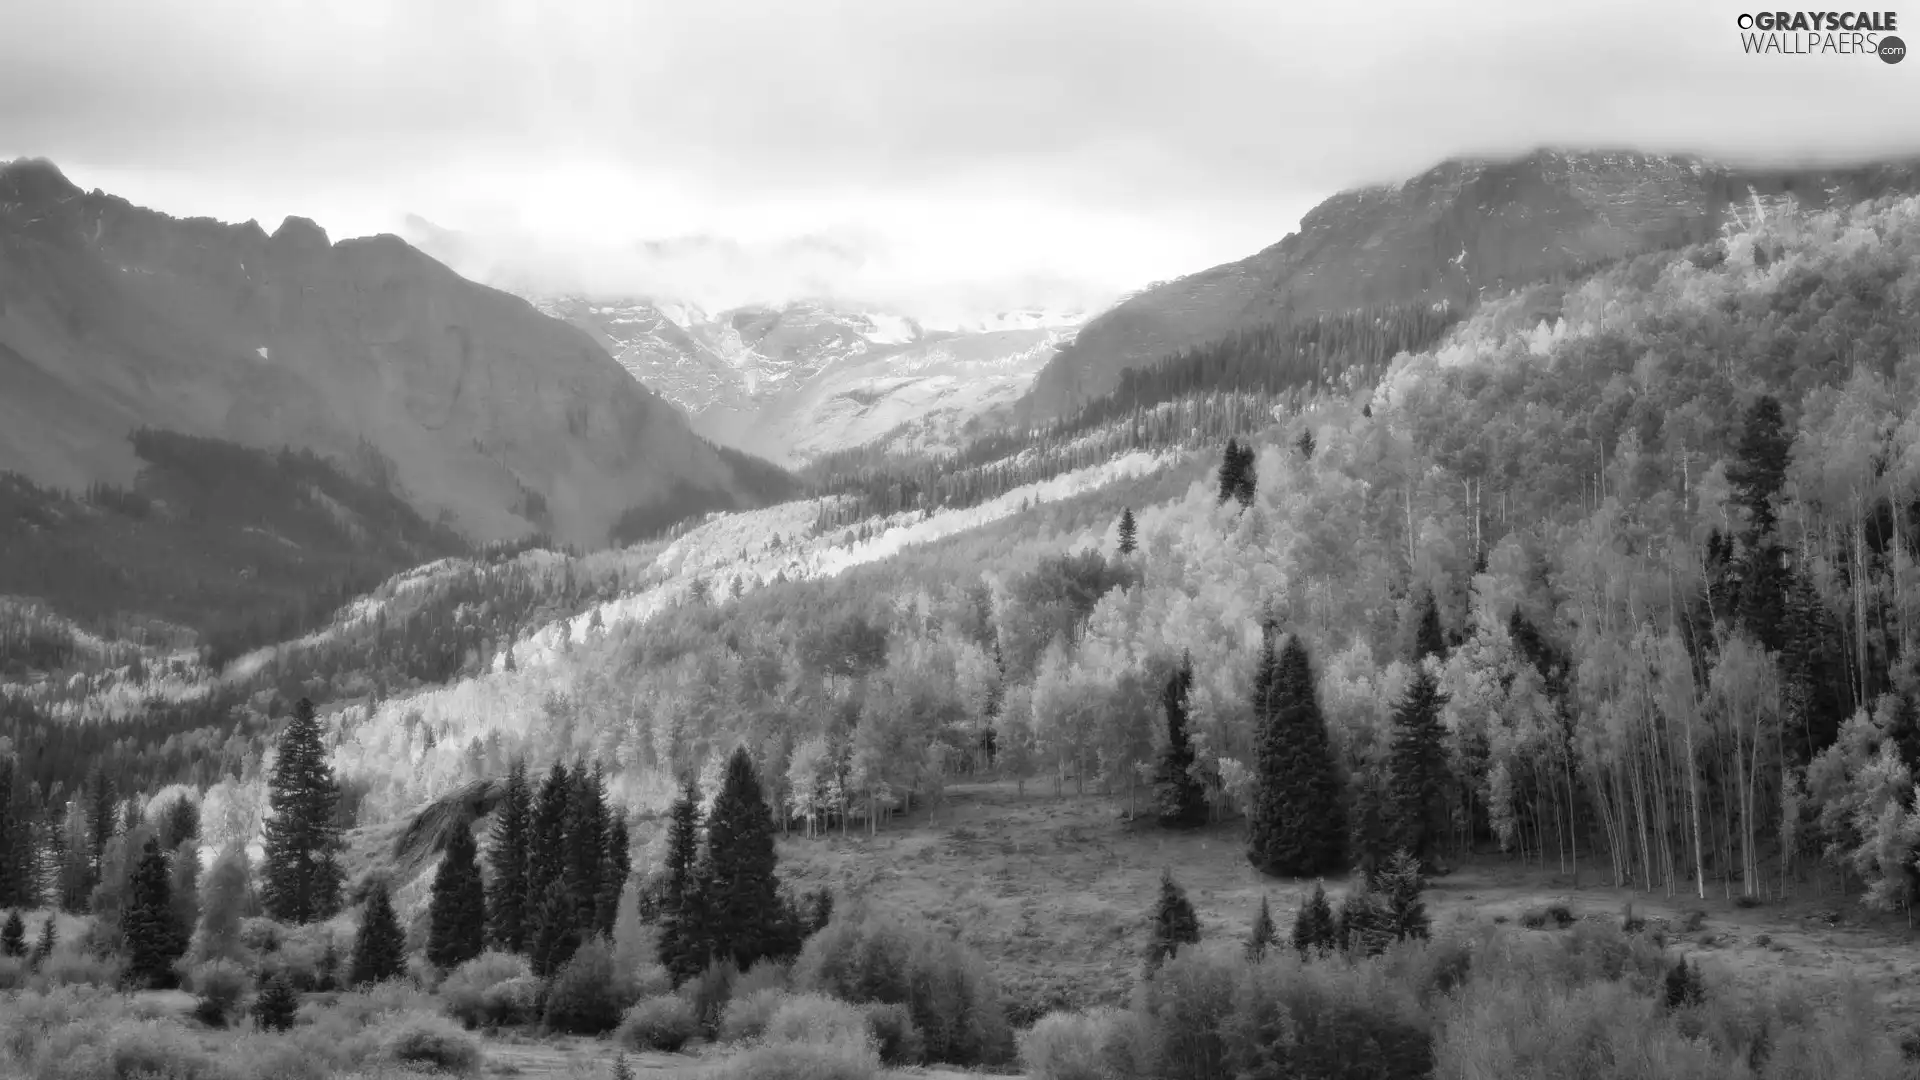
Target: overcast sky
column 909, row 151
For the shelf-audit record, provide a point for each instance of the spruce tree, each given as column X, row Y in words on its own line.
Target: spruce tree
column 741, row 892
column 1229, row 471
column 457, row 910
column 1371, row 841
column 1174, row 923
column 154, row 938
column 1305, row 444
column 1313, row 927
column 179, row 822
column 1400, row 884
column 184, row 870
column 547, row 841
column 379, row 946
column 103, row 821
column 684, row 942
column 1298, row 825
column 13, row 935
column 614, row 874
column 586, row 845
column 1245, row 480
column 1418, row 767
column 276, row 1005
column 1177, row 795
column 43, row 945
column 1263, row 936
column 13, row 862
column 1129, row 532
column 1428, row 637
column 507, row 856
column 553, row 932
column 1363, row 926
column 302, row 880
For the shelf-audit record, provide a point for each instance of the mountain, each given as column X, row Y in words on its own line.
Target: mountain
column 1455, row 231
column 792, row 381
column 473, row 406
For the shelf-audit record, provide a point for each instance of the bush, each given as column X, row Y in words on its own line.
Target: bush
column 218, row 986
column 130, row 1050
column 79, row 968
column 1071, row 1046
column 664, row 1022
column 798, row 1061
column 586, row 996
column 816, row 1019
column 465, row 987
column 894, row 1033
column 1187, row 1005
column 1298, row 1019
column 746, row 1015
column 709, row 993
column 430, row 1040
column 947, row 989
column 766, row 974
column 514, row 1002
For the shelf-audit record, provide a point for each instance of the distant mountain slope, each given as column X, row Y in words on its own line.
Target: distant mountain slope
column 113, row 317
column 1459, row 228
column 793, row 381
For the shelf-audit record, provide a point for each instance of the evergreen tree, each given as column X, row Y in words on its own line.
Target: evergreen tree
column 326, row 973
column 1180, row 800
column 1298, row 824
column 13, row 935
column 740, row 890
column 1305, row 444
column 507, row 857
column 613, row 877
column 1683, row 985
column 1129, row 532
column 1244, row 480
column 553, row 934
column 154, row 939
column 1230, row 466
column 276, row 1004
column 547, row 842
column 586, row 845
column 43, row 945
column 1363, row 926
column 1313, row 927
column 1400, row 885
column 103, row 821
column 179, row 822
column 684, row 941
column 302, row 878
column 1263, row 935
column 13, row 862
column 1759, row 468
column 379, row 946
column 1174, row 923
column 20, row 847
column 1418, row 767
column 1428, row 638
column 1371, row 840
column 457, row 910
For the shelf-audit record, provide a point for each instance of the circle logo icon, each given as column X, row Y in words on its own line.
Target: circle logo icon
column 1892, row 50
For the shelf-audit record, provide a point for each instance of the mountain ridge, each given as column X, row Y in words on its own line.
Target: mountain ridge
column 367, row 350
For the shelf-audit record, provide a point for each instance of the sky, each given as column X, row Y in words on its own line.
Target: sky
column 918, row 154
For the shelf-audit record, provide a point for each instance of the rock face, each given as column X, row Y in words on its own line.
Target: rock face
column 114, row 317
column 1447, row 234
column 794, row 381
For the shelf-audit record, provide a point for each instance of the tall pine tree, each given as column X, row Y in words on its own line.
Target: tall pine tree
column 1298, row 826
column 507, row 857
column 586, row 845
column 547, row 843
column 1263, row 936
column 1418, row 767
column 379, row 946
column 740, row 890
column 154, row 937
column 553, row 935
column 302, row 877
column 1129, row 532
column 614, row 874
column 13, row 935
column 684, row 942
column 1314, row 930
column 1174, row 923
column 1229, row 471
column 1178, row 796
column 457, row 910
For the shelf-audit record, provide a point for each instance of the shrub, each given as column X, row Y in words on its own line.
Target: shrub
column 709, row 992
column 1187, row 1005
column 218, row 986
column 1071, row 1046
column 819, row 1020
column 664, row 1022
column 766, row 974
column 947, row 989
column 798, row 1061
column 1297, row 1019
column 465, row 987
column 516, row 1001
column 746, row 1015
column 79, row 968
column 586, row 997
column 129, row 1049
column 430, row 1040
column 895, row 1034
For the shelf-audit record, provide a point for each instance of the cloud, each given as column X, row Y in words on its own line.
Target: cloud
column 1105, row 144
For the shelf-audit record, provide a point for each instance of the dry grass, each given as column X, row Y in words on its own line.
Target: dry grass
column 1055, row 891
